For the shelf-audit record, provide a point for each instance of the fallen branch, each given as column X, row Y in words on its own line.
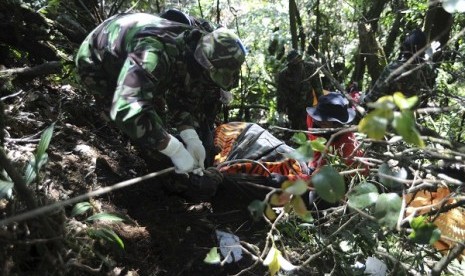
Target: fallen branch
column 48, row 68
column 101, row 191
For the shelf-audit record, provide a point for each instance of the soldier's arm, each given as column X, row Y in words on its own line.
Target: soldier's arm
column 132, row 107
column 382, row 84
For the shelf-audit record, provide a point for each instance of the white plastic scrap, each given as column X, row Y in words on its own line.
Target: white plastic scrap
column 375, row 267
column 230, row 246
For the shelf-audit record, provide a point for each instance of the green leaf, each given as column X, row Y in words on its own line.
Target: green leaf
column 387, row 210
column 106, row 234
column 270, row 213
column 45, row 139
column 375, row 123
column 6, row 188
column 329, row 184
column 303, row 153
column 105, row 217
column 363, row 195
column 299, row 138
column 80, row 208
column 256, row 209
column 213, row 257
column 424, row 232
column 30, row 172
column 404, row 103
column 319, row 144
column 387, row 182
column 298, row 187
column 301, row 209
column 43, row 159
column 404, row 124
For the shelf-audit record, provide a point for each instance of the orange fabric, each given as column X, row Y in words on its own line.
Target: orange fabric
column 225, row 139
column 451, row 223
column 225, row 135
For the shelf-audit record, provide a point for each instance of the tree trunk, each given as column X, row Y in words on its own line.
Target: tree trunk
column 292, row 23
column 371, row 53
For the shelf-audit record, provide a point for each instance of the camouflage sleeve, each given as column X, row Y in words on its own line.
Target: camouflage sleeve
column 133, row 102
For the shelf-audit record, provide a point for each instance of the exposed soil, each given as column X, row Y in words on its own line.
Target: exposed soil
column 164, row 234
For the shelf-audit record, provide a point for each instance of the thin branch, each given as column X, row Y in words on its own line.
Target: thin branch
column 101, row 191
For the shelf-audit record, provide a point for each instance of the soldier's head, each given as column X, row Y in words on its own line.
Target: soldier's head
column 221, row 53
column 414, row 42
column 293, row 58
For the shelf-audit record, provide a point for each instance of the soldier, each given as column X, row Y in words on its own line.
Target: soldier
column 157, row 77
column 409, row 74
column 298, row 86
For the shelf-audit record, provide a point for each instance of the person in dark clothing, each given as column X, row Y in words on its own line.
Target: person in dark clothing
column 298, row 86
column 410, row 74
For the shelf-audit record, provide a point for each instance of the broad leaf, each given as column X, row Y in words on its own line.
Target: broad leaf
column 213, row 257
column 387, row 182
column 106, row 234
column 375, row 124
column 298, row 187
column 319, row 144
column 270, row 213
column 300, row 138
column 279, row 199
column 329, row 184
column 30, row 172
column 6, row 189
column 105, row 217
column 404, row 103
column 300, row 209
column 424, row 232
column 404, row 124
column 80, row 208
column 363, row 195
column 45, row 139
column 387, row 209
column 304, row 153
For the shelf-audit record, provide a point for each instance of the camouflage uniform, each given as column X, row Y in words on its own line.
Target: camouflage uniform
column 142, row 69
column 296, row 84
column 410, row 79
column 409, row 74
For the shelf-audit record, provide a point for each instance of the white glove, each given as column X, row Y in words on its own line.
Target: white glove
column 181, row 158
column 195, row 148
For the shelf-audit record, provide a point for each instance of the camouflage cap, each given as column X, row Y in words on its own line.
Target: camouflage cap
column 222, row 53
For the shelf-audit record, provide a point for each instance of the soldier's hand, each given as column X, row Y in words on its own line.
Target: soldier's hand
column 195, row 148
column 181, row 158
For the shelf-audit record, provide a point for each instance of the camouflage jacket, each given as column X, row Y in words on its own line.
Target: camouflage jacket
column 295, row 86
column 143, row 67
column 410, row 79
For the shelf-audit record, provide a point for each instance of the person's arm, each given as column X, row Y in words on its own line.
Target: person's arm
column 382, row 84
column 133, row 109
